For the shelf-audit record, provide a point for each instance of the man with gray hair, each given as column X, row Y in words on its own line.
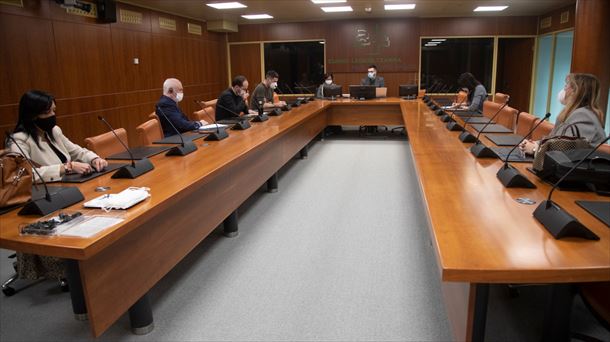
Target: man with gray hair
column 168, row 103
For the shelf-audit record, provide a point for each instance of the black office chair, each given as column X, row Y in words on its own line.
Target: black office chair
column 9, row 290
column 596, row 299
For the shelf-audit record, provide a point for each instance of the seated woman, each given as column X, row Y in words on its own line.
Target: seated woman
column 476, row 92
column 328, row 80
column 43, row 141
column 580, row 96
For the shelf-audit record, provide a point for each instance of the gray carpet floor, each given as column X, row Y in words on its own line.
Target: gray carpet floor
column 340, row 253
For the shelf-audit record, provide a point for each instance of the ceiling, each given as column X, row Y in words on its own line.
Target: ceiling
column 305, row 10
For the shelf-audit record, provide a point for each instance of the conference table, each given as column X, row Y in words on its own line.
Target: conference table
column 480, row 234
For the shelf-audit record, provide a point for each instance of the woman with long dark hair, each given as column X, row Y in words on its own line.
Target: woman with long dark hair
column 476, row 92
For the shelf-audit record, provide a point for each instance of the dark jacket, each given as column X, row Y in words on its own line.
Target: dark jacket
column 230, row 105
column 174, row 114
column 378, row 81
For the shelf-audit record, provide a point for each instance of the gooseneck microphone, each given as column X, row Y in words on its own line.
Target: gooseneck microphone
column 136, row 168
column 261, row 111
column 465, row 136
column 220, row 134
column 450, row 118
column 558, row 221
column 508, row 175
column 479, row 149
column 185, row 147
column 62, row 197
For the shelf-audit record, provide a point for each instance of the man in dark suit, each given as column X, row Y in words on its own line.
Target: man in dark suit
column 168, row 103
column 232, row 102
column 372, row 78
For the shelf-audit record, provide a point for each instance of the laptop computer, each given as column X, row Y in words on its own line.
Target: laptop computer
column 381, row 92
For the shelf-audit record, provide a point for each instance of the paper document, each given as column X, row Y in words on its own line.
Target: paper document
column 90, row 226
column 211, row 127
column 123, row 200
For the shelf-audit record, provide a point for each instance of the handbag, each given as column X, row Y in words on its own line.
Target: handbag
column 15, row 179
column 558, row 143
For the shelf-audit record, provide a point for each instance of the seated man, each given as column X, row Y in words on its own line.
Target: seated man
column 232, row 102
column 372, row 78
column 168, row 103
column 264, row 92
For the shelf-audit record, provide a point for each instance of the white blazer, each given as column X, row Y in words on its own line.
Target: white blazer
column 50, row 164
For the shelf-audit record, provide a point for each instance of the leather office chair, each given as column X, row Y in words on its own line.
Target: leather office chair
column 211, row 103
column 153, row 115
column 201, row 114
column 525, row 122
column 106, row 144
column 596, row 299
column 542, row 131
column 507, row 117
column 149, row 132
column 421, row 93
column 501, row 98
column 605, row 148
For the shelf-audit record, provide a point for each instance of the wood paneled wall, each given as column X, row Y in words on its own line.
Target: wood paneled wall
column 88, row 66
column 246, row 60
column 394, row 43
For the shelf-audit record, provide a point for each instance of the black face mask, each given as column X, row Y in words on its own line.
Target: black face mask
column 46, row 124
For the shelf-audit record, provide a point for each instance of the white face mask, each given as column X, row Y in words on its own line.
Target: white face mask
column 273, row 85
column 329, row 81
column 371, row 75
column 561, row 97
column 179, row 96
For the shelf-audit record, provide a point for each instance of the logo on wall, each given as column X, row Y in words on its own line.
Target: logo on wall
column 373, row 41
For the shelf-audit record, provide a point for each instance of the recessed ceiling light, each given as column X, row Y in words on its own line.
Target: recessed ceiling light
column 438, row 40
column 490, row 8
column 257, row 16
column 394, row 7
column 317, row 2
column 337, row 9
column 227, row 5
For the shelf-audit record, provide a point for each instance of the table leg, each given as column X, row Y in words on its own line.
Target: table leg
column 480, row 312
column 272, row 183
column 76, row 290
column 558, row 312
column 230, row 228
column 141, row 317
column 304, row 152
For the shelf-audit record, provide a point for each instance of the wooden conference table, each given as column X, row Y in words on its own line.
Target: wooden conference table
column 481, row 235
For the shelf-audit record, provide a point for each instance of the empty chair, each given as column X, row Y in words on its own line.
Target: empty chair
column 525, row 122
column 149, row 132
column 542, row 131
column 507, row 117
column 201, row 114
column 421, row 93
column 106, row 144
column 596, row 299
column 501, row 98
column 153, row 115
column 211, row 103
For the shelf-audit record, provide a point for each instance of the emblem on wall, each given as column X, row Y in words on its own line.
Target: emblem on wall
column 372, row 40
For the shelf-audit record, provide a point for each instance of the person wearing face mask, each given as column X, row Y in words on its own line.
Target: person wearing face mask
column 43, row 141
column 580, row 96
column 173, row 93
column 372, row 78
column 233, row 100
column 264, row 92
column 328, row 80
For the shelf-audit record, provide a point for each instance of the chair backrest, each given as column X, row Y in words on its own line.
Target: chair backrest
column 149, row 132
column 106, row 144
column 461, row 97
column 542, row 131
column 507, row 116
column 525, row 122
column 276, row 98
column 153, row 115
column 211, row 103
column 501, row 98
column 200, row 114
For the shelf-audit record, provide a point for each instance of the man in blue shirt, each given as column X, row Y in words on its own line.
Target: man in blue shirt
column 168, row 103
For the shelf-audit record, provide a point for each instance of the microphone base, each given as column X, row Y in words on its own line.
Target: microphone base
column 446, row 118
column 241, row 125
column 62, row 198
column 510, row 177
column 276, row 112
column 217, row 136
column 180, row 150
column 560, row 223
column 454, row 126
column 466, row 137
column 438, row 111
column 128, row 171
column 260, row 118
column 481, row 151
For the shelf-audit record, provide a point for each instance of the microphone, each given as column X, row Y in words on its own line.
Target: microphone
column 220, row 134
column 449, row 119
column 136, row 168
column 558, row 221
column 286, row 107
column 261, row 111
column 65, row 196
column 465, row 136
column 297, row 102
column 508, row 175
column 185, row 147
column 479, row 149
column 239, row 123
